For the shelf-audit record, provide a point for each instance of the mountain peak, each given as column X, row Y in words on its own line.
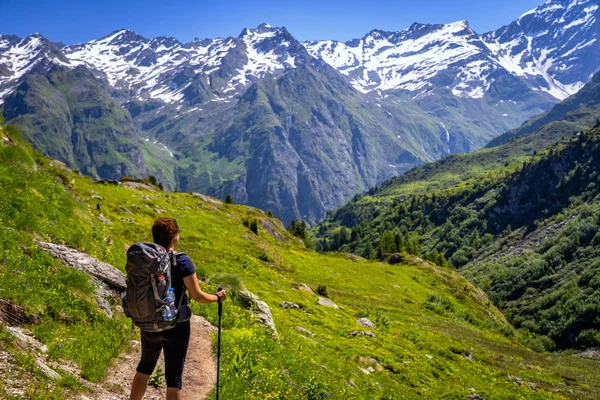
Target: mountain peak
column 262, row 29
column 120, row 36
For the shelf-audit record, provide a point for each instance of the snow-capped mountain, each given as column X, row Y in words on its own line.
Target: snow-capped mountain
column 413, row 59
column 19, row 56
column 289, row 126
column 554, row 48
column 160, row 68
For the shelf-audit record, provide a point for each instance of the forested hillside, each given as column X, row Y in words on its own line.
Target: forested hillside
column 546, row 286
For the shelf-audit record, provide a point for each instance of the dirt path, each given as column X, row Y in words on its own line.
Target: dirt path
column 198, row 378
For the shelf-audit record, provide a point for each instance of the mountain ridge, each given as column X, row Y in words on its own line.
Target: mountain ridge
column 181, row 96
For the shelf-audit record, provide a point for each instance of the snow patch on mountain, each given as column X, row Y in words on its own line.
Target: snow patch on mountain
column 409, row 59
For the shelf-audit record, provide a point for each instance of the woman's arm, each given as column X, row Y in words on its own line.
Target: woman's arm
column 191, row 283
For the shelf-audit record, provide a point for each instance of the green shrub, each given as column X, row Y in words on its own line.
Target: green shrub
column 322, row 290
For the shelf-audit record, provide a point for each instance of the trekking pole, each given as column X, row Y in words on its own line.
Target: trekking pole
column 219, row 343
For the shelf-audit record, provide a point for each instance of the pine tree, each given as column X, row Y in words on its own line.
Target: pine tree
column 369, row 252
column 228, row 199
column 344, row 236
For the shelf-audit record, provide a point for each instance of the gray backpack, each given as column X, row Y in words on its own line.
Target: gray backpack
column 148, row 282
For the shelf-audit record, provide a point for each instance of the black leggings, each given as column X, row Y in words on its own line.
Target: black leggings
column 175, row 343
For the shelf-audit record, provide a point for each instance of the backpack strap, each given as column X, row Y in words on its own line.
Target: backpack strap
column 174, row 264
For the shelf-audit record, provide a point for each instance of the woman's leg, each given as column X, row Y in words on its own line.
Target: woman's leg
column 175, row 346
column 151, row 347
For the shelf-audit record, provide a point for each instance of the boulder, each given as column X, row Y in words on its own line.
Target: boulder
column 304, row 331
column 262, row 309
column 366, row 322
column 305, row 288
column 104, row 220
column 289, row 305
column 395, row 259
column 362, row 333
column 25, row 337
column 325, row 302
column 106, row 278
column 271, row 230
column 73, row 258
column 46, row 370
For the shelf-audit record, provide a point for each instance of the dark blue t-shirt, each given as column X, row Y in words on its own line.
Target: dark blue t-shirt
column 185, row 267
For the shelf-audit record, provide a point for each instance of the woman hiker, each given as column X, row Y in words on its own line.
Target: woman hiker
column 174, row 341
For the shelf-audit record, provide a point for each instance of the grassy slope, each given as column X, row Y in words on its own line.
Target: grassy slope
column 432, row 314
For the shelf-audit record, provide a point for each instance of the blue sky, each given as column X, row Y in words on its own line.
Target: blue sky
column 75, row 21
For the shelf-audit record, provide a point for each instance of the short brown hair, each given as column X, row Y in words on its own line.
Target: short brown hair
column 164, row 231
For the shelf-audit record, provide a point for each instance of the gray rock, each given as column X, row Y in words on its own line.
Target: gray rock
column 305, row 288
column 362, row 333
column 103, row 219
column 304, row 330
column 588, row 354
column 158, row 210
column 46, row 370
column 271, row 230
column 73, row 258
column 106, row 278
column 325, row 302
column 97, row 197
column 366, row 322
column 289, row 305
column 124, row 209
column 208, row 199
column 395, row 259
column 139, row 185
column 24, row 337
column 262, row 309
column 516, row 380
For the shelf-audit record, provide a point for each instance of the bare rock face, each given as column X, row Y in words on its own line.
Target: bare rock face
column 263, row 311
column 106, row 278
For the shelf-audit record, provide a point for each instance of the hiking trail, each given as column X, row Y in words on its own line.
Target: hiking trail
column 199, row 375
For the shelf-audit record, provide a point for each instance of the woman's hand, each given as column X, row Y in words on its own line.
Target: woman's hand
column 221, row 296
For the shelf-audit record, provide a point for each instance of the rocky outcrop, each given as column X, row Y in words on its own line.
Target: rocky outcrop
column 271, row 230
column 325, row 302
column 262, row 309
column 106, row 278
column 207, row 199
column 367, row 323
